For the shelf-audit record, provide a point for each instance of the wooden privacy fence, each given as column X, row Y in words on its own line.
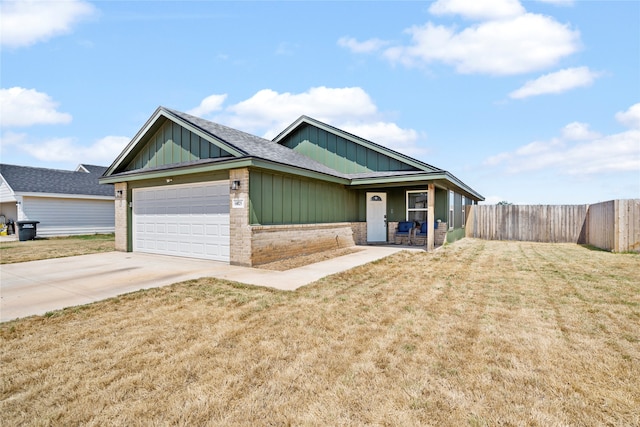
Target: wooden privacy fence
column 613, row 225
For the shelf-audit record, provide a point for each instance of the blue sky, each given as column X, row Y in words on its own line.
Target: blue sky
column 534, row 102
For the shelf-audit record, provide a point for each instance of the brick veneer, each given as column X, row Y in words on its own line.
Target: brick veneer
column 121, row 208
column 438, row 238
column 240, row 252
column 274, row 242
column 359, row 232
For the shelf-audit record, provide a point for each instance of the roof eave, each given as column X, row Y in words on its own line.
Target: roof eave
column 64, row 195
column 164, row 112
column 220, row 166
column 417, row 179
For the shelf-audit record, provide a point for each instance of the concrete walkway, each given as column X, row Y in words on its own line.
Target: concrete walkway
column 36, row 287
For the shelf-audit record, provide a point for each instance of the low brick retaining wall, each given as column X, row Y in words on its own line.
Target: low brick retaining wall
column 275, row 242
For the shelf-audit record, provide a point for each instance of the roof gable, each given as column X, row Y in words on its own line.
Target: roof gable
column 154, row 138
column 26, row 179
column 167, row 139
column 171, row 144
column 343, row 151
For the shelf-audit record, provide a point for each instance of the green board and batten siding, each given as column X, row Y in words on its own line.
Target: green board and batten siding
column 339, row 153
column 173, row 144
column 285, row 199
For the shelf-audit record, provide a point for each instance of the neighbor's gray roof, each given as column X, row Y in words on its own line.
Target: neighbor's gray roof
column 26, row 179
column 254, row 146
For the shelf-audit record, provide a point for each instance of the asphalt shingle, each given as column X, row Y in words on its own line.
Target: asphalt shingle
column 27, row 179
column 254, row 146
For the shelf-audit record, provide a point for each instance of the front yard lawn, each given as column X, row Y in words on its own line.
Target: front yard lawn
column 478, row 333
column 55, row 247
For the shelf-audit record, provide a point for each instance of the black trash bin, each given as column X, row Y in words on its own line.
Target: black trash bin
column 27, row 230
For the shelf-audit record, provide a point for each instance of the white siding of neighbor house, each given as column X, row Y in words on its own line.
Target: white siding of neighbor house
column 6, row 194
column 7, row 202
column 9, row 210
column 66, row 216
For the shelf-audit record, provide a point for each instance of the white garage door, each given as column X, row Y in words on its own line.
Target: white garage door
column 189, row 220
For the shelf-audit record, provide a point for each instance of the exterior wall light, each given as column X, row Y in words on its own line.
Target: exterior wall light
column 235, row 185
column 169, row 180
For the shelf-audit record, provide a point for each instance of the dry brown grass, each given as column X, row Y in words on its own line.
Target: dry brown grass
column 55, row 247
column 478, row 333
column 299, row 261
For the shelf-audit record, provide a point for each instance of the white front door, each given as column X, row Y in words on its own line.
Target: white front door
column 376, row 217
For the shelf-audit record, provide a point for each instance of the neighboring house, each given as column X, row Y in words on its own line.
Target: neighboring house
column 189, row 187
column 65, row 202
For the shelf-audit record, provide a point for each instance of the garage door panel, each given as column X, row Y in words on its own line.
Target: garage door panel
column 184, row 230
column 185, row 220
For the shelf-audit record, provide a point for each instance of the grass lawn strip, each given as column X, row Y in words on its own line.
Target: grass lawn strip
column 55, row 247
column 477, row 333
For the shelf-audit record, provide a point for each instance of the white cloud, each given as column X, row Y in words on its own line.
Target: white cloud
column 578, row 151
column 538, row 148
column 27, row 107
column 286, row 49
column 557, row 82
column 101, row 152
column 631, row 117
column 577, row 131
column 12, row 139
column 485, row 9
column 390, row 135
column 10, row 142
column 268, row 112
column 27, row 22
column 368, row 46
column 522, row 44
column 209, row 105
column 507, row 40
column 271, row 111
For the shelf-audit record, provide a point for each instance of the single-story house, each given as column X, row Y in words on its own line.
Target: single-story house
column 64, row 202
column 189, row 187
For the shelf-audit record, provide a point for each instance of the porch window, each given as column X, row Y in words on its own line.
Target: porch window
column 451, row 206
column 417, row 206
column 464, row 213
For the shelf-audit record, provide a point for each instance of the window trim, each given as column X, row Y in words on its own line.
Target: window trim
column 464, row 212
column 406, row 204
column 452, row 214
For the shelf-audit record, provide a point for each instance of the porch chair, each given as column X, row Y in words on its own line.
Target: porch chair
column 422, row 234
column 402, row 230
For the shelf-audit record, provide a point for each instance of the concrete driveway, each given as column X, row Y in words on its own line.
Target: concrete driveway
column 36, row 287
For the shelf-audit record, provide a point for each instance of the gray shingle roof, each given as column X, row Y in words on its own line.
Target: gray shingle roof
column 254, row 146
column 26, row 179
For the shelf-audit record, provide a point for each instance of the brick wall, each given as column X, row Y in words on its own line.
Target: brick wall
column 438, row 238
column 239, row 229
column 275, row 242
column 359, row 232
column 441, row 234
column 121, row 209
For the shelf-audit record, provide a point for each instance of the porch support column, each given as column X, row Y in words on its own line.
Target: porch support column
column 431, row 214
column 121, row 220
column 240, row 251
